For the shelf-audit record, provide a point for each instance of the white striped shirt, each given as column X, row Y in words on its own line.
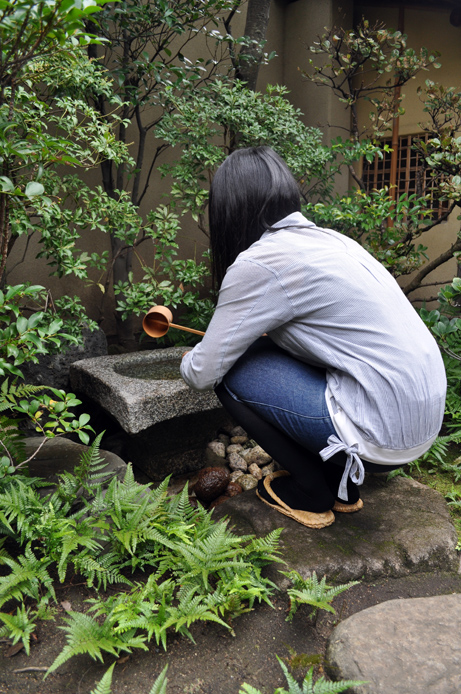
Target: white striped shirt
column 320, row 296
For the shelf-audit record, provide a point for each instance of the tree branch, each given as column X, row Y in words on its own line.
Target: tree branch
column 432, row 265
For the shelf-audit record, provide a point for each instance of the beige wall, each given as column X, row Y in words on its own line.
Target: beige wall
column 292, row 28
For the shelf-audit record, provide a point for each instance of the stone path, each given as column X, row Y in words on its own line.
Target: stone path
column 401, row 646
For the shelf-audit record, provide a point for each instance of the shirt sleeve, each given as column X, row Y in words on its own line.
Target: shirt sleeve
column 252, row 301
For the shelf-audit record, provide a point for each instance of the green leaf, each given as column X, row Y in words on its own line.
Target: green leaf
column 6, row 184
column 83, row 419
column 21, row 325
column 34, row 188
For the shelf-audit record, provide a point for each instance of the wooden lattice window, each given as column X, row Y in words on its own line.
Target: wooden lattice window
column 411, row 177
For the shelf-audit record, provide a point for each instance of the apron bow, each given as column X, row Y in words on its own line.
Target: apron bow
column 354, row 466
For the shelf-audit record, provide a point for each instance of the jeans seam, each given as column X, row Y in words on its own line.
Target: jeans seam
column 282, row 409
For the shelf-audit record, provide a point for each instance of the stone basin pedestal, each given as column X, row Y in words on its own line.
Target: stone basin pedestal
column 167, row 425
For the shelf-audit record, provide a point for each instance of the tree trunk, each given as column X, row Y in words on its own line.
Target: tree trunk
column 122, row 264
column 255, row 28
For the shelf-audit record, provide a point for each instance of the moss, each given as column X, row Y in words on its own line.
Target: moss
column 443, row 481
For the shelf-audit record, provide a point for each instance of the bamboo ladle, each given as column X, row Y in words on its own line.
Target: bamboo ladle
column 157, row 322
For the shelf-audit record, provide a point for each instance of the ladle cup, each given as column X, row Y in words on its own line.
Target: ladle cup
column 157, row 322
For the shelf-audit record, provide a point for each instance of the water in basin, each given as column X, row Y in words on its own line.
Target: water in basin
column 154, row 371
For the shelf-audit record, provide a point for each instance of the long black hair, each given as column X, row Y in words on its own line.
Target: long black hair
column 252, row 190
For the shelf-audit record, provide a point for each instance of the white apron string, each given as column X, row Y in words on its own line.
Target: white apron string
column 354, row 466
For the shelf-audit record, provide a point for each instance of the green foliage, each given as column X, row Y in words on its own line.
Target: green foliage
column 168, row 280
column 209, row 123
column 104, row 685
column 51, row 417
column 18, row 627
column 87, row 636
column 321, row 686
column 311, row 592
column 445, row 325
column 365, row 218
column 198, row 570
column 30, row 327
column 40, row 132
column 371, row 63
column 443, row 321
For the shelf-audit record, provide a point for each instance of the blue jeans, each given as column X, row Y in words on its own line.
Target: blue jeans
column 280, row 401
column 285, row 392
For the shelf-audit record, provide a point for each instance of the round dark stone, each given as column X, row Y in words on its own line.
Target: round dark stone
column 211, row 483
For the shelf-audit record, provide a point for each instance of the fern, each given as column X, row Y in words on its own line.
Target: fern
column 85, row 635
column 264, row 550
column 104, row 685
column 26, row 576
column 91, row 463
column 159, row 686
column 86, row 475
column 209, row 555
column 11, row 438
column 199, row 570
column 99, row 571
column 248, row 585
column 322, row 686
column 21, row 506
column 311, row 592
column 11, row 394
column 18, row 627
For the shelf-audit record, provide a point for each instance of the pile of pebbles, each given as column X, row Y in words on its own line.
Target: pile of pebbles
column 235, row 464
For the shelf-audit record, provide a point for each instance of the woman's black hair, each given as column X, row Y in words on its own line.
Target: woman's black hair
column 252, row 190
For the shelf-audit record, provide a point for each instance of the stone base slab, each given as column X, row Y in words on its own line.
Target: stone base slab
column 403, row 528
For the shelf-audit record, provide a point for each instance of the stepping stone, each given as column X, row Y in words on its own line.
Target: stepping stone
column 401, row 646
column 60, row 455
column 403, row 528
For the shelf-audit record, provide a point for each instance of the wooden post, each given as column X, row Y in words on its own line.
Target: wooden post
column 395, row 129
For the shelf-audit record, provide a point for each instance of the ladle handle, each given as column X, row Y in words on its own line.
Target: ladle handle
column 188, row 330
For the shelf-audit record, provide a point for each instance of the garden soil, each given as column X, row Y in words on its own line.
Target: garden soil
column 218, row 662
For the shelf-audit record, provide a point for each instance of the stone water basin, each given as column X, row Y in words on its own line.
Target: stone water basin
column 166, row 424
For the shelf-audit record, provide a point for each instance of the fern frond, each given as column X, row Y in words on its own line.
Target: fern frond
column 248, row 689
column 264, row 550
column 26, row 576
column 159, row 686
column 10, row 393
column 311, row 591
column 99, row 571
column 11, row 437
column 104, row 686
column 85, row 635
column 20, row 507
column 18, row 627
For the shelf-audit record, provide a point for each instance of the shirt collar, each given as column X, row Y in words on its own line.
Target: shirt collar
column 295, row 219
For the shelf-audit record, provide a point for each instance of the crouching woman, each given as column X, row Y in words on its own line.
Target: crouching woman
column 313, row 348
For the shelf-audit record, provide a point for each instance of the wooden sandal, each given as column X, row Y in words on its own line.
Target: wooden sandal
column 306, row 518
column 348, row 508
